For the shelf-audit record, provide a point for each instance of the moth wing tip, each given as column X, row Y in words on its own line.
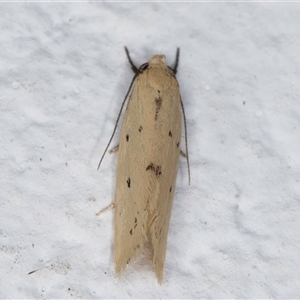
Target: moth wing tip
column 159, row 272
column 160, row 278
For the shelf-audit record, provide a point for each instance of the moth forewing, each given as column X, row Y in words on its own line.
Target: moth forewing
column 147, row 165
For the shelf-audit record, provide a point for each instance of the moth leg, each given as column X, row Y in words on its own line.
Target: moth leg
column 109, row 207
column 182, row 154
column 115, row 149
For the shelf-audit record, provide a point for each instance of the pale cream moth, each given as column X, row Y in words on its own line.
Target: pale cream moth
column 147, row 165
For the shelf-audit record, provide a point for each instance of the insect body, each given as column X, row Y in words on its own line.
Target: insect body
column 147, row 165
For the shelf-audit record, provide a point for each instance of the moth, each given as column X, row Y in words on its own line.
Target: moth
column 148, row 157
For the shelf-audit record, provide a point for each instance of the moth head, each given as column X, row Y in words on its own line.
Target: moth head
column 158, row 60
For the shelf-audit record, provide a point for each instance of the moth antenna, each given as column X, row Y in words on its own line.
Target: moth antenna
column 119, row 115
column 176, row 61
column 186, row 143
column 133, row 67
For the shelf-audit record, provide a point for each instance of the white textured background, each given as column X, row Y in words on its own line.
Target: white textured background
column 63, row 73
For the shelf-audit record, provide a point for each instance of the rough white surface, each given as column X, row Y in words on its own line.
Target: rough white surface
column 234, row 231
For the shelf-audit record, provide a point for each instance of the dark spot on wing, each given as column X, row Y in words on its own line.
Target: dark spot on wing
column 127, row 137
column 155, row 169
column 158, row 103
column 140, row 128
column 150, row 167
column 135, row 222
column 128, row 182
column 170, row 133
column 158, row 171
